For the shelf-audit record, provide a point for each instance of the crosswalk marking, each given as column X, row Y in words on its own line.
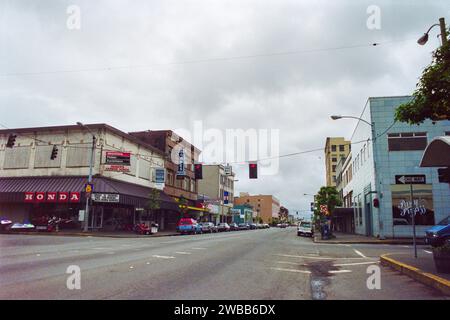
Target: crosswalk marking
column 291, row 270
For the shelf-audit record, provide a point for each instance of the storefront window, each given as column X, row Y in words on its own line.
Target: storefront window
column 422, row 204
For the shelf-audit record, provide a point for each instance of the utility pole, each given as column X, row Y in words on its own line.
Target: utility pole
column 413, row 215
column 91, row 161
column 443, row 31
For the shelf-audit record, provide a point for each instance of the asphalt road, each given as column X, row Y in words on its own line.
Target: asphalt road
column 259, row 264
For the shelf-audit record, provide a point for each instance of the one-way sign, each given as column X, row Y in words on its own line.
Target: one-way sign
column 410, row 179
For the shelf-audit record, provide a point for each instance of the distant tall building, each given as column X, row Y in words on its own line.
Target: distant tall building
column 335, row 149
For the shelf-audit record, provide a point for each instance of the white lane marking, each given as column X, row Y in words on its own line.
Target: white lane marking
column 182, row 252
column 359, row 253
column 100, row 248
column 291, row 270
column 131, row 267
column 405, row 246
column 318, row 258
column 292, row 263
column 198, row 248
column 148, row 263
column 428, row 251
column 339, row 271
column 353, row 264
column 38, row 255
column 344, row 245
column 112, row 252
column 162, row 257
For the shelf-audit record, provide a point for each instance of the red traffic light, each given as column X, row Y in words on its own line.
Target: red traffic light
column 253, row 170
column 198, row 171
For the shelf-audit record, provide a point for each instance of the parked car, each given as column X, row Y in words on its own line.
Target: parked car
column 209, row 227
column 244, row 226
column 266, row 225
column 439, row 234
column 234, row 226
column 253, row 226
column 223, row 226
column 259, row 226
column 305, row 229
column 188, row 226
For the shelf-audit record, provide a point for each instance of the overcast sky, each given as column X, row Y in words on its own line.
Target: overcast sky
column 293, row 93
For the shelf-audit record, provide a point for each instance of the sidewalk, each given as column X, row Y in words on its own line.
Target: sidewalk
column 421, row 269
column 347, row 238
column 116, row 234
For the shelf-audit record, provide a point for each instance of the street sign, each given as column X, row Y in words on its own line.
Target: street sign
column 228, row 170
column 410, row 179
column 88, row 187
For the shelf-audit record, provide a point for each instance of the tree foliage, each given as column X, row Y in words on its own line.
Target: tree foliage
column 326, row 196
column 431, row 99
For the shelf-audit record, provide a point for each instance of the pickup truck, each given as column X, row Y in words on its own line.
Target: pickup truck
column 188, row 226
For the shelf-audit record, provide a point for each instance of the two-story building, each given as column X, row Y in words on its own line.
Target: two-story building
column 385, row 155
column 33, row 185
column 217, row 186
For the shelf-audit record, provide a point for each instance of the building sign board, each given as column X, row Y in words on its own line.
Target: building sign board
column 52, row 197
column 106, row 197
column 117, row 161
column 160, row 175
column 181, row 170
column 225, row 197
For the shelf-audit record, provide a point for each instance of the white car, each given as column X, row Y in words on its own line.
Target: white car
column 305, row 229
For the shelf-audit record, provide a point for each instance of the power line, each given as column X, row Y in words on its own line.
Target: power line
column 198, row 61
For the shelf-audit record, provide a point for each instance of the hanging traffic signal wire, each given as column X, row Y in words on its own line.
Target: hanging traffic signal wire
column 206, row 60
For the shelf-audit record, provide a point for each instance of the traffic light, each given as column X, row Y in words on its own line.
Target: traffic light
column 11, row 141
column 253, row 170
column 198, row 170
column 54, row 153
column 444, row 175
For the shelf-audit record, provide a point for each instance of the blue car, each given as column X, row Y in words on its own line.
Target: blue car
column 439, row 234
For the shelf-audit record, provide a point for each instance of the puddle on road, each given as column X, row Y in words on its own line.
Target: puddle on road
column 320, row 278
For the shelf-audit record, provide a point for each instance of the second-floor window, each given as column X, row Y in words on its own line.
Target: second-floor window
column 407, row 141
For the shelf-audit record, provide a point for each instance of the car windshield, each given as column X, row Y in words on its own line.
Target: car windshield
column 445, row 222
column 306, row 225
column 186, row 222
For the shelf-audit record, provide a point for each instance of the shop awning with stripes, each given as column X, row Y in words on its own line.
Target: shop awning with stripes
column 13, row 189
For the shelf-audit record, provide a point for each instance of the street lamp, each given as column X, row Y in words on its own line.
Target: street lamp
column 374, row 137
column 91, row 160
column 424, row 39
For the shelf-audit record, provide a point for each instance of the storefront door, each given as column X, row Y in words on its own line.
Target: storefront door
column 96, row 218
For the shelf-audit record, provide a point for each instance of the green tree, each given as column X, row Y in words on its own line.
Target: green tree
column 326, row 196
column 283, row 214
column 183, row 204
column 431, row 99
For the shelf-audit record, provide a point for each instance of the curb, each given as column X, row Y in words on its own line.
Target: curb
column 425, row 278
column 91, row 235
column 409, row 242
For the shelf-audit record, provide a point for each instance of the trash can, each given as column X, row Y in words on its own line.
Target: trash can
column 154, row 228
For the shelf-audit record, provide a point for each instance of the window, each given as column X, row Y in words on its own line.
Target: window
column 334, row 159
column 334, row 179
column 333, row 148
column 407, row 141
column 342, row 148
column 447, row 133
column 334, row 168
